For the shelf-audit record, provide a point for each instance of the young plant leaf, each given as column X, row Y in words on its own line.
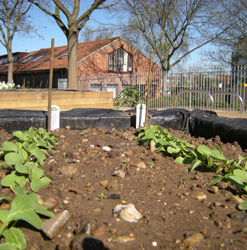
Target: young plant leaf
column 204, row 150
column 5, row 165
column 36, row 184
column 38, row 208
column 3, row 215
column 217, row 155
column 243, row 205
column 20, row 136
column 216, row 180
column 40, row 156
column 236, row 181
column 241, row 174
column 23, row 169
column 14, row 179
column 194, row 164
column 16, row 237
column 14, row 159
column 9, row 147
column 172, row 150
column 8, row 246
column 22, row 209
column 179, row 160
column 35, row 172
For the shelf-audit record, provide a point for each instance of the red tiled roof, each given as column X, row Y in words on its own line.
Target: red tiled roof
column 40, row 60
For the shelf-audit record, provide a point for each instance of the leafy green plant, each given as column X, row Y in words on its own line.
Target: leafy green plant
column 24, row 156
column 42, row 138
column 130, row 96
column 185, row 153
column 212, row 158
column 24, row 207
column 165, row 142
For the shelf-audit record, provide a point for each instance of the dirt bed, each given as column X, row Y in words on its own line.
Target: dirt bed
column 179, row 209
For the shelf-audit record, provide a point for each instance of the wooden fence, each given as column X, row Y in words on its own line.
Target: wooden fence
column 66, row 100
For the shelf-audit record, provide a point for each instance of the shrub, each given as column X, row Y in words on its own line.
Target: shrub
column 130, row 96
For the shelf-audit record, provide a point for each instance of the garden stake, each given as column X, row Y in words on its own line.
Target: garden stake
column 50, row 85
column 148, row 90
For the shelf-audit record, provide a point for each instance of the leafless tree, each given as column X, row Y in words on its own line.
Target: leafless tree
column 13, row 19
column 91, row 34
column 67, row 16
column 231, row 47
column 174, row 28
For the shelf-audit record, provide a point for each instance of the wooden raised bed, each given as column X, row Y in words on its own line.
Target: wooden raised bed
column 66, row 100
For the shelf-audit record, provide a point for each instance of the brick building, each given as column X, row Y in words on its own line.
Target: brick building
column 96, row 59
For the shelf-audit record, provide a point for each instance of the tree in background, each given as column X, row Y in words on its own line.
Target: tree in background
column 175, row 28
column 70, row 22
column 92, row 34
column 172, row 28
column 13, row 19
column 231, row 48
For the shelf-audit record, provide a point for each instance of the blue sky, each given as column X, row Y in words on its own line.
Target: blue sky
column 49, row 29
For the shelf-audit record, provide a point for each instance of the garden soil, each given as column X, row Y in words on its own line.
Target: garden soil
column 179, row 209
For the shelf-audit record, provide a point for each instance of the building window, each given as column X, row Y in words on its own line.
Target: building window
column 130, row 62
column 3, row 60
column 27, row 58
column 120, row 61
column 62, row 56
column 96, row 87
column 110, row 62
column 39, row 57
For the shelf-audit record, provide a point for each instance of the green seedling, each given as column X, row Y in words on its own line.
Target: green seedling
column 24, row 156
column 186, row 153
column 236, row 175
column 42, row 138
column 23, row 159
column 84, row 132
column 126, row 165
column 24, row 207
column 151, row 163
column 101, row 196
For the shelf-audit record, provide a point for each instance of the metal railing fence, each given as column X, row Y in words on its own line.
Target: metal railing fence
column 164, row 89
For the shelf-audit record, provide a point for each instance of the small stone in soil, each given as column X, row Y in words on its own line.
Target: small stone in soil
column 122, row 239
column 193, row 239
column 50, row 203
column 127, row 212
column 114, row 196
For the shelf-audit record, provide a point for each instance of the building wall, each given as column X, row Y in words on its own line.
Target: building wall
column 91, row 69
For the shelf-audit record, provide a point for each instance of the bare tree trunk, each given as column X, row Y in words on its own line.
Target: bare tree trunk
column 10, row 62
column 72, row 58
column 164, row 81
